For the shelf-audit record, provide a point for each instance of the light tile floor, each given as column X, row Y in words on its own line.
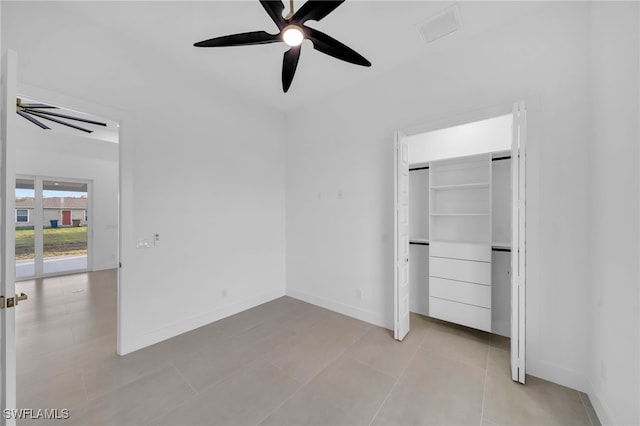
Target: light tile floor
column 282, row 363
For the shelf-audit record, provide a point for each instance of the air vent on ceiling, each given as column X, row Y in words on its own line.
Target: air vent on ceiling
column 441, row 24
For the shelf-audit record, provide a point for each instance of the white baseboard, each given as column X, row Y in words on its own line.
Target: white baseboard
column 557, row 374
column 105, row 266
column 341, row 308
column 602, row 408
column 147, row 339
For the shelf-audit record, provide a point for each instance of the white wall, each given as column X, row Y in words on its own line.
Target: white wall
column 51, row 154
column 200, row 165
column 336, row 246
column 614, row 364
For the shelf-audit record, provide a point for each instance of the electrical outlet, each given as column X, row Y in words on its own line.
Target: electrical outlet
column 358, row 293
column 224, row 292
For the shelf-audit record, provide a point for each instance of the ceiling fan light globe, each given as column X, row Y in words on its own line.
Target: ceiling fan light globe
column 293, row 35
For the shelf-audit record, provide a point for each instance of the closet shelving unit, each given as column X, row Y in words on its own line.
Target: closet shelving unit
column 460, row 234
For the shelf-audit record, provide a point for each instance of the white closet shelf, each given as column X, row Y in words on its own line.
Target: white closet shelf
column 501, row 245
column 459, row 214
column 475, row 242
column 477, row 185
column 418, row 240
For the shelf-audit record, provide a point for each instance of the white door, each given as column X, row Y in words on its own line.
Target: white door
column 7, row 240
column 518, row 240
column 401, row 241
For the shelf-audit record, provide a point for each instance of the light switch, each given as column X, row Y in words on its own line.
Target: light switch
column 142, row 242
column 156, row 239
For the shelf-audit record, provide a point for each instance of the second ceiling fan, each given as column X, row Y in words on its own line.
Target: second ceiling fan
column 293, row 32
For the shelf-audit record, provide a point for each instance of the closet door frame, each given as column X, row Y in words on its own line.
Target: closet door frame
column 518, row 203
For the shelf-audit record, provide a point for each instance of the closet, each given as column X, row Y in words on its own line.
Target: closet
column 459, row 234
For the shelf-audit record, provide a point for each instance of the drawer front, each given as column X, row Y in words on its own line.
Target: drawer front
column 460, row 270
column 459, row 313
column 458, row 291
column 466, row 251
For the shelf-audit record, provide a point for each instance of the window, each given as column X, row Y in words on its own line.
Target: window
column 22, row 216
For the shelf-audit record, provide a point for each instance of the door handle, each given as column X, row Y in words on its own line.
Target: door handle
column 10, row 302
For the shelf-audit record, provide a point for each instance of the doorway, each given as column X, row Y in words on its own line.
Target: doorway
column 58, row 308
column 52, row 226
column 460, row 204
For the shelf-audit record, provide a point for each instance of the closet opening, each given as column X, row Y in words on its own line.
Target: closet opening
column 459, row 222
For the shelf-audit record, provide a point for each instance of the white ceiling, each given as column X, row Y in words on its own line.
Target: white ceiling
column 385, row 32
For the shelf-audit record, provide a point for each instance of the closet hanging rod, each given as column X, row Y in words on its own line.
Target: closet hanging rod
column 419, row 168
column 507, row 157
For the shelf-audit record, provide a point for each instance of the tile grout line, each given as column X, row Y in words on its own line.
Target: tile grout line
column 281, row 404
column 374, row 368
column 184, row 378
column 84, row 385
column 484, row 384
column 309, row 381
column 335, row 358
column 128, row 382
column 395, row 384
column 163, row 412
column 283, row 372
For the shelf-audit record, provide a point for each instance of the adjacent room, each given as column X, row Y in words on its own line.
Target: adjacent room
column 328, row 213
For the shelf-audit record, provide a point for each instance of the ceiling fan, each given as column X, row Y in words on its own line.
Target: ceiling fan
column 31, row 111
column 293, row 32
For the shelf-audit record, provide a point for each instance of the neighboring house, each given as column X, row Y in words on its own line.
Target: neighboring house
column 68, row 211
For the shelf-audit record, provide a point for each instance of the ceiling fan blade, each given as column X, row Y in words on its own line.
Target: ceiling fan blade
column 37, row 106
column 97, row 123
column 315, row 10
column 333, row 47
column 289, row 64
column 33, row 120
column 274, row 8
column 242, row 39
column 38, row 114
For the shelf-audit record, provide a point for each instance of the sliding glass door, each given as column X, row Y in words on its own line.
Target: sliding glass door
column 52, row 222
column 25, row 228
column 65, row 226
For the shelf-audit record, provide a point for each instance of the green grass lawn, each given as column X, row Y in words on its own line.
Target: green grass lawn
column 57, row 242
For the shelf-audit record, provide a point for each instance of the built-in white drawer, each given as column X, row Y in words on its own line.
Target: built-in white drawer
column 460, row 313
column 460, row 270
column 466, row 251
column 459, row 291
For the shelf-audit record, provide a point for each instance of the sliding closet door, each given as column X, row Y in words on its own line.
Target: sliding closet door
column 518, row 240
